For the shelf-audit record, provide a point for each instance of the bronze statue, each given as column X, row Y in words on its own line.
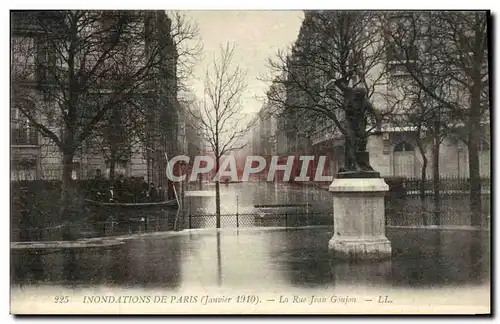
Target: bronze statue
column 357, row 108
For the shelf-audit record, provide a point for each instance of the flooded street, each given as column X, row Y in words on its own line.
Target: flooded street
column 159, row 249
column 244, row 205
column 244, row 197
column 258, row 258
column 260, row 248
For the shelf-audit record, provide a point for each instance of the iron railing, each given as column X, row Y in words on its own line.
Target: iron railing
column 447, row 185
column 236, row 220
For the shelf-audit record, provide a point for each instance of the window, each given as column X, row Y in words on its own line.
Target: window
column 76, row 173
column 23, row 53
column 21, row 130
column 402, row 53
column 46, row 63
column 403, row 147
column 404, row 160
column 23, row 170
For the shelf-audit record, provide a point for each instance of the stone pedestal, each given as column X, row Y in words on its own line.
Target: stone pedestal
column 359, row 219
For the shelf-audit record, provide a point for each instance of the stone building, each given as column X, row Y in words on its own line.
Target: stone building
column 395, row 152
column 35, row 156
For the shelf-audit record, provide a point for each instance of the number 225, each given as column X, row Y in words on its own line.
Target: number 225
column 61, row 299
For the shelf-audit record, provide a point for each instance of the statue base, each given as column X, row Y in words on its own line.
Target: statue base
column 364, row 169
column 359, row 219
column 358, row 174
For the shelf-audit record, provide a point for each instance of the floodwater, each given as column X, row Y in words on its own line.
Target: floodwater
column 246, row 205
column 258, row 259
column 263, row 248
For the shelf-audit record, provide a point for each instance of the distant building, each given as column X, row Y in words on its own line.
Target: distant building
column 267, row 130
column 256, row 138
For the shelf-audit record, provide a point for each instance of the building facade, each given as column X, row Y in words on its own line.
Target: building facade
column 393, row 153
column 35, row 155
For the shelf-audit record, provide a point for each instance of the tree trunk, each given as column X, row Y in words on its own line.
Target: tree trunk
column 423, row 174
column 435, row 166
column 112, row 167
column 67, row 183
column 475, row 177
column 113, row 142
column 475, row 183
column 217, row 192
column 436, row 178
column 474, row 139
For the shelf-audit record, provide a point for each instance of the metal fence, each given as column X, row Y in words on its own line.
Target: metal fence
column 447, row 185
column 292, row 219
column 448, row 210
column 108, row 223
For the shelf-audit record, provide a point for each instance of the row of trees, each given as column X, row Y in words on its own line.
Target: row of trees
column 99, row 78
column 448, row 84
column 110, row 79
column 442, row 88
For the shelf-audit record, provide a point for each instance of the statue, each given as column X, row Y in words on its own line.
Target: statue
column 357, row 107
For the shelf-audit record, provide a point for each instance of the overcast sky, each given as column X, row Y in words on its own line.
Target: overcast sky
column 257, row 35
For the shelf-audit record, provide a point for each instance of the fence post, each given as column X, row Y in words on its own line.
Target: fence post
column 190, row 220
column 237, row 210
column 286, row 219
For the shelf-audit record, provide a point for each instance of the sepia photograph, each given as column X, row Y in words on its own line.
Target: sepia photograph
column 271, row 162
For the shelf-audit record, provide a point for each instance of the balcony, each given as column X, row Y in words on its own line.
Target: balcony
column 23, row 136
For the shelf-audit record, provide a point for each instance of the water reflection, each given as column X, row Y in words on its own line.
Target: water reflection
column 70, row 273
column 31, row 268
column 479, row 252
column 219, row 261
column 102, row 223
column 261, row 259
column 361, row 273
column 257, row 258
column 442, row 257
column 243, row 199
column 126, row 265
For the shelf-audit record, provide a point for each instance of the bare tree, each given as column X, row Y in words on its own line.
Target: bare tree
column 120, row 135
column 220, row 111
column 452, row 69
column 331, row 45
column 87, row 63
column 418, row 112
column 186, row 39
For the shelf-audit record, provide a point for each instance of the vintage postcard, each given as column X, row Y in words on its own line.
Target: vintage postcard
column 250, row 162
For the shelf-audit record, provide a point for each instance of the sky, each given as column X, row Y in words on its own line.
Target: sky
column 257, row 35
